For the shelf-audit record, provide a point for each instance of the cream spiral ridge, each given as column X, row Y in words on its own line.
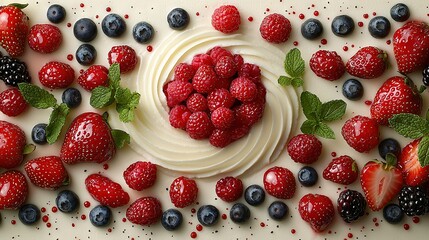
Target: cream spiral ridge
column 154, row 138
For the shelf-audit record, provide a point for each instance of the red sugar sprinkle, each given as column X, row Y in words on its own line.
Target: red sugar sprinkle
column 365, row 15
column 105, row 166
column 193, row 210
column 388, row 42
column 126, row 16
column 54, row 209
column 250, row 19
column 87, row 204
column 43, row 209
column 149, row 48
column 124, row 219
column 406, row 226
column 293, row 231
column 316, row 13
column 96, row 16
column 193, row 235
column 73, row 225
column 374, row 219
column 69, row 24
column 262, row 224
column 267, row 9
column 345, row 48
column 377, row 224
column 199, row 227
column 333, row 154
column 109, row 230
column 374, row 13
column 82, row 5
column 323, row 41
column 197, row 13
column 48, row 224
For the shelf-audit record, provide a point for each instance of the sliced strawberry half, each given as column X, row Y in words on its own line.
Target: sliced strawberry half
column 380, row 182
column 412, row 171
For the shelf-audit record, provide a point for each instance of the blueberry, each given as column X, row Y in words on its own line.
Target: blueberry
column 56, row 13
column 38, row 133
column 113, row 25
column 342, row 25
column 400, row 12
column 208, row 215
column 239, row 213
column 307, row 176
column 178, row 19
column 389, row 145
column 72, row 97
column 393, row 213
column 29, row 214
column 85, row 30
column 100, row 216
column 67, row 201
column 143, row 32
column 254, row 195
column 311, row 29
column 352, row 89
column 86, row 54
column 171, row 219
column 379, row 27
column 278, row 210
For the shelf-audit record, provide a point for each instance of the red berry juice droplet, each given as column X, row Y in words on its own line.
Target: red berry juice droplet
column 193, row 235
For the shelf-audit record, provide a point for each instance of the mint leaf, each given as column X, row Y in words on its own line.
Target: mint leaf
column 311, row 105
column 101, row 97
column 409, row 125
column 126, row 112
column 284, row 81
column 120, row 138
column 123, row 95
column 135, row 99
column 297, row 82
column 36, row 96
column 114, row 75
column 309, row 126
column 332, row 110
column 56, row 122
column 323, row 130
column 294, row 64
column 423, row 151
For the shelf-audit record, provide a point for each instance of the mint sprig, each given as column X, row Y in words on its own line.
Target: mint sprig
column 126, row 101
column 413, row 126
column 294, row 66
column 41, row 99
column 318, row 114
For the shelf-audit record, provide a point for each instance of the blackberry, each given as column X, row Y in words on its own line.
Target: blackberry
column 413, row 200
column 13, row 71
column 426, row 76
column 351, row 205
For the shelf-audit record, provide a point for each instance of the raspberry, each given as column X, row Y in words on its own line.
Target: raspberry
column 178, row 91
column 239, row 131
column 183, row 192
column 94, row 76
column 217, row 52
column 225, row 67
column 275, row 28
column 262, row 92
column 183, row 72
column 125, row 56
column 304, row 148
column 12, row 103
column 201, row 59
column 56, row 75
column 144, row 211
column 223, row 83
column 179, row 115
column 199, row 125
column 205, row 79
column 44, row 38
column 220, row 138
column 140, row 175
column 250, row 71
column 327, row 65
column 238, row 59
column 249, row 113
column 243, row 89
column 229, row 189
column 197, row 103
column 222, row 118
column 226, row 19
column 220, row 98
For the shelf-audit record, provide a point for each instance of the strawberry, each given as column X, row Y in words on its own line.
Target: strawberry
column 368, row 62
column 144, row 211
column 14, row 27
column 316, row 209
column 13, row 145
column 327, row 65
column 304, row 148
column 411, row 46
column 47, row 172
column 229, row 189
column 279, row 182
column 56, row 75
column 396, row 95
column 341, row 170
column 44, row 38
column 12, row 103
column 106, row 191
column 13, row 188
column 140, row 175
column 88, row 139
column 125, row 56
column 381, row 182
column 412, row 171
column 183, row 192
column 94, row 76
column 361, row 133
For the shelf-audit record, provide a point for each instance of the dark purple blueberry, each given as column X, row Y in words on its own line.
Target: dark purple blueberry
column 278, row 210
column 86, row 54
column 239, row 213
column 85, row 30
column 72, row 97
column 208, row 215
column 171, row 219
column 113, row 25
column 67, row 201
column 143, row 32
column 56, row 13
column 342, row 25
column 392, row 213
column 38, row 133
column 29, row 214
column 307, row 176
column 400, row 12
column 254, row 195
column 389, row 145
column 100, row 216
column 352, row 89
column 311, row 29
column 379, row 27
column 178, row 19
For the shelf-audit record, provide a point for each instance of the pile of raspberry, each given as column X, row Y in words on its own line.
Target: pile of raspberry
column 217, row 97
